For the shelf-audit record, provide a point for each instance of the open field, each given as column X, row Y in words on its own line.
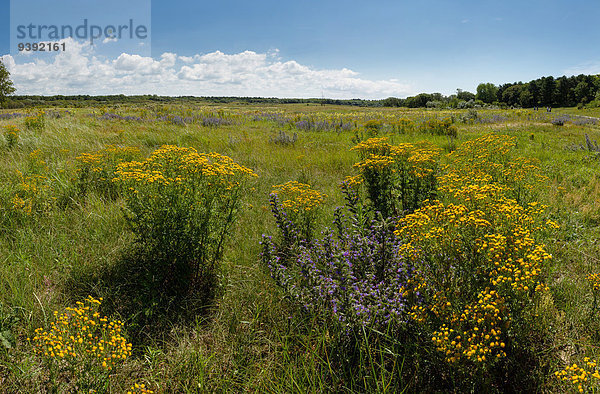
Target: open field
column 65, row 236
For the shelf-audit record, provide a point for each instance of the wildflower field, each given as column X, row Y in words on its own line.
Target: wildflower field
column 299, row 248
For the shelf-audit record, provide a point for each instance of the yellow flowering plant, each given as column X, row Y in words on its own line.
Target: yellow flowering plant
column 83, row 344
column 373, row 127
column 403, row 126
column 181, row 205
column 594, row 280
column 584, row 377
column 11, row 134
column 96, row 170
column 397, row 178
column 439, row 127
column 300, row 202
column 479, row 263
column 31, row 194
column 491, row 159
column 139, row 388
column 36, row 122
column 32, row 189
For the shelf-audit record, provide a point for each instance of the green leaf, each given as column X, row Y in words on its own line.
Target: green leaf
column 7, row 339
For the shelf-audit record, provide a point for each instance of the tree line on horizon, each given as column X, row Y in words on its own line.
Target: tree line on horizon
column 581, row 90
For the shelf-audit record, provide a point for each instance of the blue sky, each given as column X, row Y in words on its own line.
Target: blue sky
column 407, row 46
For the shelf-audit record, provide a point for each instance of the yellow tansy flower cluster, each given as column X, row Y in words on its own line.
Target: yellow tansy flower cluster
column 397, row 178
column 30, row 193
column 440, row 306
column 180, row 165
column 139, row 388
column 594, row 280
column 421, row 160
column 490, row 159
column 96, row 161
column 580, row 376
column 477, row 332
column 36, row 122
column 402, row 125
column 298, row 197
column 97, row 169
column 353, row 181
column 36, row 163
column 81, row 336
column 11, row 133
column 477, row 253
column 180, row 204
column 518, row 260
column 374, row 146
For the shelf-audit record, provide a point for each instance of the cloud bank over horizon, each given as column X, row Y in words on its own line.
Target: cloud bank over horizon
column 80, row 70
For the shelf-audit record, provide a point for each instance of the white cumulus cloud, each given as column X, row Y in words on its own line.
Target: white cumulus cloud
column 79, row 70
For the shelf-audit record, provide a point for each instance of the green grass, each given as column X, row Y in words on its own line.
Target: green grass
column 251, row 338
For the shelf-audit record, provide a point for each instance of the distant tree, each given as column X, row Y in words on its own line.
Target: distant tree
column 501, row 89
column 6, row 86
column 464, row 95
column 582, row 91
column 526, row 98
column 452, row 101
column 487, row 92
column 420, row 100
column 392, row 102
column 436, row 97
column 596, row 82
column 547, row 91
column 512, row 95
column 563, row 93
column 534, row 89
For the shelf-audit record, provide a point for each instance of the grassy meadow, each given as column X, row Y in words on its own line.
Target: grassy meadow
column 65, row 236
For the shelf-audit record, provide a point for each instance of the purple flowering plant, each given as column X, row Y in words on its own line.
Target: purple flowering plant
column 353, row 276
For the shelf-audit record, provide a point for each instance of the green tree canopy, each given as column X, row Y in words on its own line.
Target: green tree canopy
column 6, row 85
column 487, row 92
